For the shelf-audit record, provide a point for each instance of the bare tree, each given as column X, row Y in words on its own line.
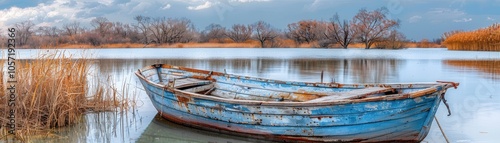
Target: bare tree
column 215, row 32
column 72, row 28
column 131, row 33
column 47, row 36
column 119, row 29
column 264, row 32
column 178, row 30
column 340, row 32
column 323, row 40
column 101, row 25
column 156, row 29
column 93, row 38
column 395, row 40
column 239, row 33
column 190, row 35
column 143, row 24
column 372, row 26
column 304, row 31
column 120, row 33
column 170, row 30
column 48, row 31
column 24, row 31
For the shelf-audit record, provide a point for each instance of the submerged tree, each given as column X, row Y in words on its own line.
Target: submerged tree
column 395, row 40
column 372, row 26
column 304, row 31
column 340, row 32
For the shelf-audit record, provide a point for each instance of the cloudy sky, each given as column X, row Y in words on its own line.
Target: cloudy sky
column 420, row 18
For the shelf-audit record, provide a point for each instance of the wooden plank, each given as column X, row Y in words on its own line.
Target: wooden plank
column 354, row 94
column 200, row 88
column 263, row 93
column 300, row 91
column 187, row 82
column 241, row 96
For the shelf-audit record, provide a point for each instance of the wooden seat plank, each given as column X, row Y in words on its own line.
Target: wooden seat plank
column 354, row 94
column 187, row 82
column 200, row 88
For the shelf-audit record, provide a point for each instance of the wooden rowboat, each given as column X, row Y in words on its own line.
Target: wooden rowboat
column 297, row 111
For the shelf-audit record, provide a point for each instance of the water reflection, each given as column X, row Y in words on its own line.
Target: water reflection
column 347, row 71
column 110, row 127
column 160, row 130
column 475, row 104
column 490, row 68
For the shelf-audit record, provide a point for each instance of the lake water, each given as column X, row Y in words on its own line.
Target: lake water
column 475, row 105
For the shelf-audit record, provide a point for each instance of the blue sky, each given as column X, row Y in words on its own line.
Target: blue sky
column 420, row 18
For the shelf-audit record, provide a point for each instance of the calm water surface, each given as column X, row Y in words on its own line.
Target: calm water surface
column 475, row 105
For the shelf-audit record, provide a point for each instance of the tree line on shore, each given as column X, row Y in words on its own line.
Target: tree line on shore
column 371, row 28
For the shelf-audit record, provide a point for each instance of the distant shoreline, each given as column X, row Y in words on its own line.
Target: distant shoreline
column 203, row 45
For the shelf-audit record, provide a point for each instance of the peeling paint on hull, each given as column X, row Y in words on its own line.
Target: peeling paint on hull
column 399, row 117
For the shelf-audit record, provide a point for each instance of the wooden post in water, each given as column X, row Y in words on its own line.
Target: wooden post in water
column 321, row 76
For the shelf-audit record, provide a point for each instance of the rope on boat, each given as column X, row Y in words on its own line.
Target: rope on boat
column 446, row 104
column 442, row 132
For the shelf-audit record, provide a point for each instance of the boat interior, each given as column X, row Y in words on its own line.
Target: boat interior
column 206, row 84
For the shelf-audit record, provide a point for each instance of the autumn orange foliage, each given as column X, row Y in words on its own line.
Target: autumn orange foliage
column 484, row 39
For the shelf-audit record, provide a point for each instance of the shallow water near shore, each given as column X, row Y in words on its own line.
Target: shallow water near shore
column 475, row 105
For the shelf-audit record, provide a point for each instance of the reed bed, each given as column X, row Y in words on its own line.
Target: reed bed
column 484, row 39
column 55, row 91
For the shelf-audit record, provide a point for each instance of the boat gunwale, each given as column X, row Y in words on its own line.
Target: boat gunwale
column 434, row 87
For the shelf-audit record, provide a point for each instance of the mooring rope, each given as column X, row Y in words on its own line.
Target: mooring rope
column 445, row 103
column 442, row 132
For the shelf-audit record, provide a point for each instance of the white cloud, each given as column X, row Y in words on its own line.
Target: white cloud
column 447, row 11
column 106, row 2
column 166, row 6
column 245, row 1
column 206, row 5
column 42, row 12
column 463, row 20
column 415, row 18
column 139, row 5
column 58, row 12
column 490, row 19
column 438, row 15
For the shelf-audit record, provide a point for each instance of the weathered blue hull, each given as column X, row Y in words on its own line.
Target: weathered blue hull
column 397, row 117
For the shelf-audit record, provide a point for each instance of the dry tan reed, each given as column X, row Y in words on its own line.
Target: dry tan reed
column 484, row 39
column 55, row 91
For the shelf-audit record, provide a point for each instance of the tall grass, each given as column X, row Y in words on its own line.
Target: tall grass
column 55, row 91
column 484, row 39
